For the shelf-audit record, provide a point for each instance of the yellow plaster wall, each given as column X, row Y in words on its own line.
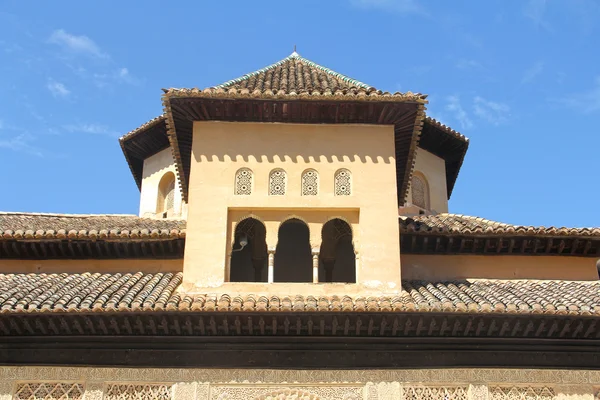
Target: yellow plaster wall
column 155, row 167
column 79, row 266
column 448, row 267
column 433, row 168
column 219, row 149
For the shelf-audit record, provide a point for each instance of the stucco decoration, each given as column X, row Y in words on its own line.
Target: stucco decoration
column 138, row 392
column 435, row 392
column 343, row 182
column 277, row 182
column 310, row 183
column 521, row 393
column 48, row 391
column 420, row 195
column 281, row 392
column 243, row 181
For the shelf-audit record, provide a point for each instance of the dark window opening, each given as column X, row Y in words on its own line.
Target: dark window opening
column 249, row 254
column 293, row 258
column 337, row 258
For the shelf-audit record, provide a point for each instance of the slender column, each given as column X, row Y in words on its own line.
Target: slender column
column 271, row 264
column 315, row 256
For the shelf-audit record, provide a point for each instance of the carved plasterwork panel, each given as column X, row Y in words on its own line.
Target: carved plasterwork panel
column 48, row 391
column 138, row 391
column 521, row 393
column 252, row 392
column 422, row 392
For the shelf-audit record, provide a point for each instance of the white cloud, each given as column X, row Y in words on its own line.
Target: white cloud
column 58, row 89
column 588, row 101
column 77, row 44
column 491, row 111
column 464, row 63
column 532, row 72
column 121, row 75
column 455, row 107
column 21, row 143
column 95, row 129
column 535, row 11
column 398, row 6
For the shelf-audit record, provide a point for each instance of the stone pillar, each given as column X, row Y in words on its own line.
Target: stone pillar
column 270, row 272
column 315, row 256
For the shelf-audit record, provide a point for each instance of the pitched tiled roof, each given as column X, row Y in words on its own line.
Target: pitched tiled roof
column 77, row 226
column 112, row 292
column 466, row 225
column 292, row 77
column 142, row 142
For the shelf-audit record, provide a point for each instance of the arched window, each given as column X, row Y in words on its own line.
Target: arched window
column 310, row 183
column 249, row 252
column 277, row 182
column 243, row 181
column 420, row 191
column 337, row 257
column 166, row 194
column 293, row 258
column 343, row 182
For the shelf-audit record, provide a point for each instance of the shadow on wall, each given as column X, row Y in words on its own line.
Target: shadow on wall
column 297, row 159
column 293, row 143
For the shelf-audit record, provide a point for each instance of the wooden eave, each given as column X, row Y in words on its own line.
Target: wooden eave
column 498, row 244
column 447, row 144
column 86, row 248
column 406, row 116
column 143, row 142
column 300, row 340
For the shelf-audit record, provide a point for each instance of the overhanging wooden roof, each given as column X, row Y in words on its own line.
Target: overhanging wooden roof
column 295, row 90
column 447, row 144
column 76, row 236
column 141, row 143
column 461, row 234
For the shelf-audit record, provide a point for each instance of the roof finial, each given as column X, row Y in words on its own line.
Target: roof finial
column 294, row 48
column 294, row 54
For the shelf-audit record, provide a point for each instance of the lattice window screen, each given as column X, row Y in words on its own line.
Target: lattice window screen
column 138, row 392
column 170, row 197
column 243, row 182
column 521, row 393
column 419, row 192
column 277, row 182
column 310, row 183
column 435, row 392
column 343, row 183
column 48, row 391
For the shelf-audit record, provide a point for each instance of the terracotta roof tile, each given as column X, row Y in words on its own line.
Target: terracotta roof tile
column 126, row 292
column 467, row 225
column 295, row 77
column 75, row 226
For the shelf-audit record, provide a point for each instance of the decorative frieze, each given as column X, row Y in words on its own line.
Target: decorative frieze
column 48, row 391
column 41, row 383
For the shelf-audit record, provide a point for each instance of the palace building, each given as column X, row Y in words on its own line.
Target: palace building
column 294, row 242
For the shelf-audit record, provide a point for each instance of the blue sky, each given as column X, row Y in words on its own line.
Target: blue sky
column 520, row 78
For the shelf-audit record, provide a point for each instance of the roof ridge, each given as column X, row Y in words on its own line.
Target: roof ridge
column 296, row 56
column 17, row 213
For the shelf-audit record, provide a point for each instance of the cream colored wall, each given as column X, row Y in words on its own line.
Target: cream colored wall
column 433, row 168
column 260, row 384
column 80, row 266
column 448, row 267
column 219, row 149
column 155, row 167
